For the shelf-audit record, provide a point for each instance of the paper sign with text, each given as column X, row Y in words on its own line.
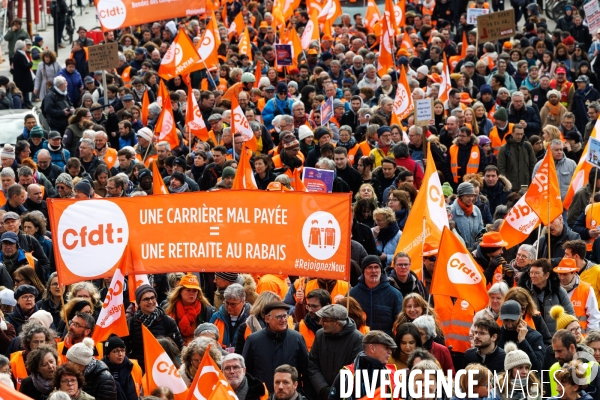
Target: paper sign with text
column 326, row 111
column 473, row 13
column 104, row 56
column 283, row 52
column 592, row 15
column 318, row 180
column 423, row 111
column 230, row 231
column 494, row 26
column 593, row 156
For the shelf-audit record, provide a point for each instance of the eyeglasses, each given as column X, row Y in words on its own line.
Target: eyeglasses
column 280, row 317
column 68, row 382
column 402, row 265
column 522, row 256
column 232, row 305
column 27, row 297
column 149, row 299
column 55, row 284
column 77, row 324
column 110, row 187
column 235, row 368
column 576, row 329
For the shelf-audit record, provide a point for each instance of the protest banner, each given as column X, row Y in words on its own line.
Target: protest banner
column 103, row 57
column 318, row 180
column 592, row 15
column 423, row 111
column 283, row 53
column 473, row 13
column 494, row 26
column 114, row 14
column 593, row 156
column 326, row 111
column 227, row 231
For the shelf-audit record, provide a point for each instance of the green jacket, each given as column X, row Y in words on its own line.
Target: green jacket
column 516, row 162
column 12, row 36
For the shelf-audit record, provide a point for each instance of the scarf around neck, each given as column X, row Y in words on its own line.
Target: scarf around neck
column 468, row 210
column 41, row 385
column 181, row 189
column 187, row 316
column 553, row 110
column 149, row 319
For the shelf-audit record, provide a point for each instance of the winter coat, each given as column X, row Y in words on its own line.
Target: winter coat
column 516, row 162
column 581, row 199
column 581, row 99
column 21, row 71
column 417, row 284
column 469, row 227
column 45, row 74
column 265, row 350
column 100, row 382
column 227, row 337
column 53, row 107
column 58, row 163
column 362, row 362
column 330, row 352
column 29, row 389
column 533, row 345
column 564, row 169
column 382, row 304
column 11, row 38
column 388, row 247
column 553, row 295
column 556, row 251
column 528, row 115
column 74, row 83
column 275, row 107
column 494, row 361
column 498, row 194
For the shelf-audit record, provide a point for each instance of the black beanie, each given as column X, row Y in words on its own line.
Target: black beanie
column 113, row 342
column 368, row 260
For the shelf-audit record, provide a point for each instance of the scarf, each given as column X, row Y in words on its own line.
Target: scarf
column 468, row 210
column 386, row 234
column 301, row 121
column 348, row 145
column 553, row 110
column 569, row 287
column 41, row 385
column 148, row 320
column 123, row 380
column 311, row 324
column 60, row 91
column 187, row 315
column 183, row 188
column 254, row 323
column 242, row 390
column 197, row 172
column 140, row 94
column 52, row 148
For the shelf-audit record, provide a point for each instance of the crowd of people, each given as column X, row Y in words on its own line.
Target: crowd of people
column 282, row 337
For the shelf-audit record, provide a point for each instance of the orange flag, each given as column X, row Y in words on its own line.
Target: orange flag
column 194, row 120
column 245, row 44
column 181, row 57
column 465, row 44
column 518, row 223
column 311, row 30
column 145, row 104
column 429, row 218
column 456, row 273
column 257, row 73
column 294, row 40
column 162, row 94
column 134, row 282
column 403, row 103
column 165, row 126
column 445, row 86
column 373, row 15
column 112, row 316
column 207, row 46
column 239, row 124
column 208, row 380
column 160, row 370
column 543, row 195
column 7, row 393
column 244, row 177
column 158, row 185
column 386, row 53
column 222, row 392
column 277, row 12
column 237, row 26
column 391, row 15
column 331, row 10
column 582, row 171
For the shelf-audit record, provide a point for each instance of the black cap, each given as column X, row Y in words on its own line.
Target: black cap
column 274, row 306
column 368, row 260
column 113, row 342
column 144, row 173
column 25, row 289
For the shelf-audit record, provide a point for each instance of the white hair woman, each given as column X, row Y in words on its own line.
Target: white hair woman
column 426, row 326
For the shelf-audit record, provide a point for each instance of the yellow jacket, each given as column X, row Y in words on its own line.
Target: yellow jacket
column 591, row 275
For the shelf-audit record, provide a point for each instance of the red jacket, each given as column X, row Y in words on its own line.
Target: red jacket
column 442, row 354
column 413, row 167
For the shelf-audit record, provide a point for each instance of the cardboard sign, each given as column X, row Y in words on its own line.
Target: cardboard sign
column 318, row 180
column 593, row 156
column 292, row 233
column 494, row 26
column 473, row 13
column 283, row 55
column 423, row 111
column 326, row 111
column 592, row 15
column 103, row 57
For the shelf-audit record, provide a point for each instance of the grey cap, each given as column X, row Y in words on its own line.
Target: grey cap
column 465, row 188
column 333, row 311
column 379, row 337
column 510, row 310
column 10, row 215
column 583, row 78
column 270, row 87
column 127, row 97
column 337, row 103
column 206, row 327
column 469, row 64
column 215, row 117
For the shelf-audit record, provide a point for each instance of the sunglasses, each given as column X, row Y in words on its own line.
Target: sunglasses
column 432, row 258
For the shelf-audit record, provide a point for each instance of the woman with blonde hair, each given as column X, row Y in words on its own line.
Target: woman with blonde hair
column 192, row 354
column 26, row 275
column 367, row 192
column 88, row 291
column 550, row 133
column 517, row 367
column 477, row 381
column 413, row 306
column 471, row 121
column 255, row 321
column 530, row 313
column 188, row 306
column 386, row 234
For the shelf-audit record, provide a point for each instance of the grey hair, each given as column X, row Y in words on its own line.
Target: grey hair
column 7, row 172
column 20, row 44
column 530, row 250
column 556, row 142
column 456, row 111
column 59, row 395
column 25, row 171
column 364, row 111
column 427, row 323
column 235, row 291
column 122, row 57
column 59, row 81
column 88, row 142
column 417, row 130
column 284, row 180
column 234, row 356
column 385, row 100
column 155, row 108
column 235, row 72
column 288, row 119
column 255, row 126
column 504, row 90
column 370, row 67
column 297, row 104
column 419, row 91
column 518, row 93
column 326, row 163
column 357, row 58
column 595, row 105
column 30, row 329
column 498, row 288
column 4, row 361
column 164, row 143
column 425, row 365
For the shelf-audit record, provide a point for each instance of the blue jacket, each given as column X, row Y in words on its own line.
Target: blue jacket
column 276, row 107
column 229, row 338
column 74, row 83
column 389, row 248
column 382, row 304
column 59, row 158
column 469, row 227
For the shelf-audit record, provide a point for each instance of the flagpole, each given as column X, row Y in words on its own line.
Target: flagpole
column 548, row 227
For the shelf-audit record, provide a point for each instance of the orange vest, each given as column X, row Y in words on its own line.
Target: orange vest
column 261, row 104
column 307, row 334
column 222, row 85
column 110, row 158
column 126, row 76
column 275, row 283
column 365, row 148
column 341, row 288
column 277, row 163
column 149, row 159
column 62, row 352
column 592, row 219
column 495, row 138
column 352, row 153
column 85, row 50
column 579, row 298
column 472, row 164
column 17, row 366
column 456, row 321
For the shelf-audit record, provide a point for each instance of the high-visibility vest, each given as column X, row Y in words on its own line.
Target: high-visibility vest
column 495, row 138
column 17, row 367
column 352, row 153
column 260, row 104
column 221, row 85
column 579, row 297
column 428, row 10
column 149, row 159
column 136, row 375
column 472, row 164
column 365, row 148
column 275, row 283
column 62, row 352
column 126, row 76
column 564, row 91
column 307, row 334
column 35, row 63
column 456, row 321
column 341, row 288
column 110, row 158
column 592, row 219
column 277, row 163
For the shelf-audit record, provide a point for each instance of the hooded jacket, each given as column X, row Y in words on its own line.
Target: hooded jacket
column 100, row 382
column 381, row 304
column 516, row 162
column 498, row 194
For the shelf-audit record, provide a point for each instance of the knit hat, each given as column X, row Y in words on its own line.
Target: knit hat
column 423, row 69
column 141, row 290
column 84, row 187
column 65, row 179
column 486, row 89
column 501, row 114
column 337, row 103
column 569, row 40
column 36, row 132
column 368, row 260
column 465, row 188
column 483, row 140
column 144, row 172
column 37, row 40
column 289, row 140
column 553, row 92
column 145, row 133
column 43, row 317
column 82, row 353
column 25, row 289
column 320, row 132
column 383, row 130
column 207, row 327
column 282, row 88
column 228, row 172
column 7, row 297
column 514, row 357
column 227, row 276
column 179, row 176
column 447, row 189
column 113, row 342
column 8, row 151
column 561, row 317
column 305, row 132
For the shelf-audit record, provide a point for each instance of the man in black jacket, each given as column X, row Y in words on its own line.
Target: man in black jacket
column 518, row 112
column 345, row 171
column 539, row 95
column 486, row 351
column 350, row 117
column 234, row 369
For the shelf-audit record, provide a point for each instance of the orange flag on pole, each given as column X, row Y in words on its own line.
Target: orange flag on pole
column 165, row 126
column 181, row 57
column 237, row 26
column 429, row 218
column 223, row 392
column 162, row 94
column 245, row 44
column 208, row 380
column 311, row 30
column 294, row 40
column 465, row 44
column 456, row 273
column 518, row 223
column 112, row 316
column 543, row 195
column 160, row 370
column 244, row 177
column 207, row 46
column 7, row 393
column 331, row 10
column 373, row 15
column 386, row 53
column 582, row 171
column 403, row 103
column 145, row 104
column 391, row 16
column 158, row 184
column 239, row 124
column 445, row 86
column 194, row 120
column 134, row 282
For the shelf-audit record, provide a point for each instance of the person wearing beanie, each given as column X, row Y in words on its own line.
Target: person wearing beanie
column 127, row 375
column 553, row 111
column 98, row 378
column 486, row 350
column 281, row 104
column 25, row 296
column 289, row 158
column 83, row 190
column 36, row 139
column 323, row 135
column 222, row 281
column 228, row 176
column 8, row 157
column 178, row 184
column 152, row 317
column 64, row 186
column 517, row 365
column 467, row 215
column 307, row 140
column 376, row 296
